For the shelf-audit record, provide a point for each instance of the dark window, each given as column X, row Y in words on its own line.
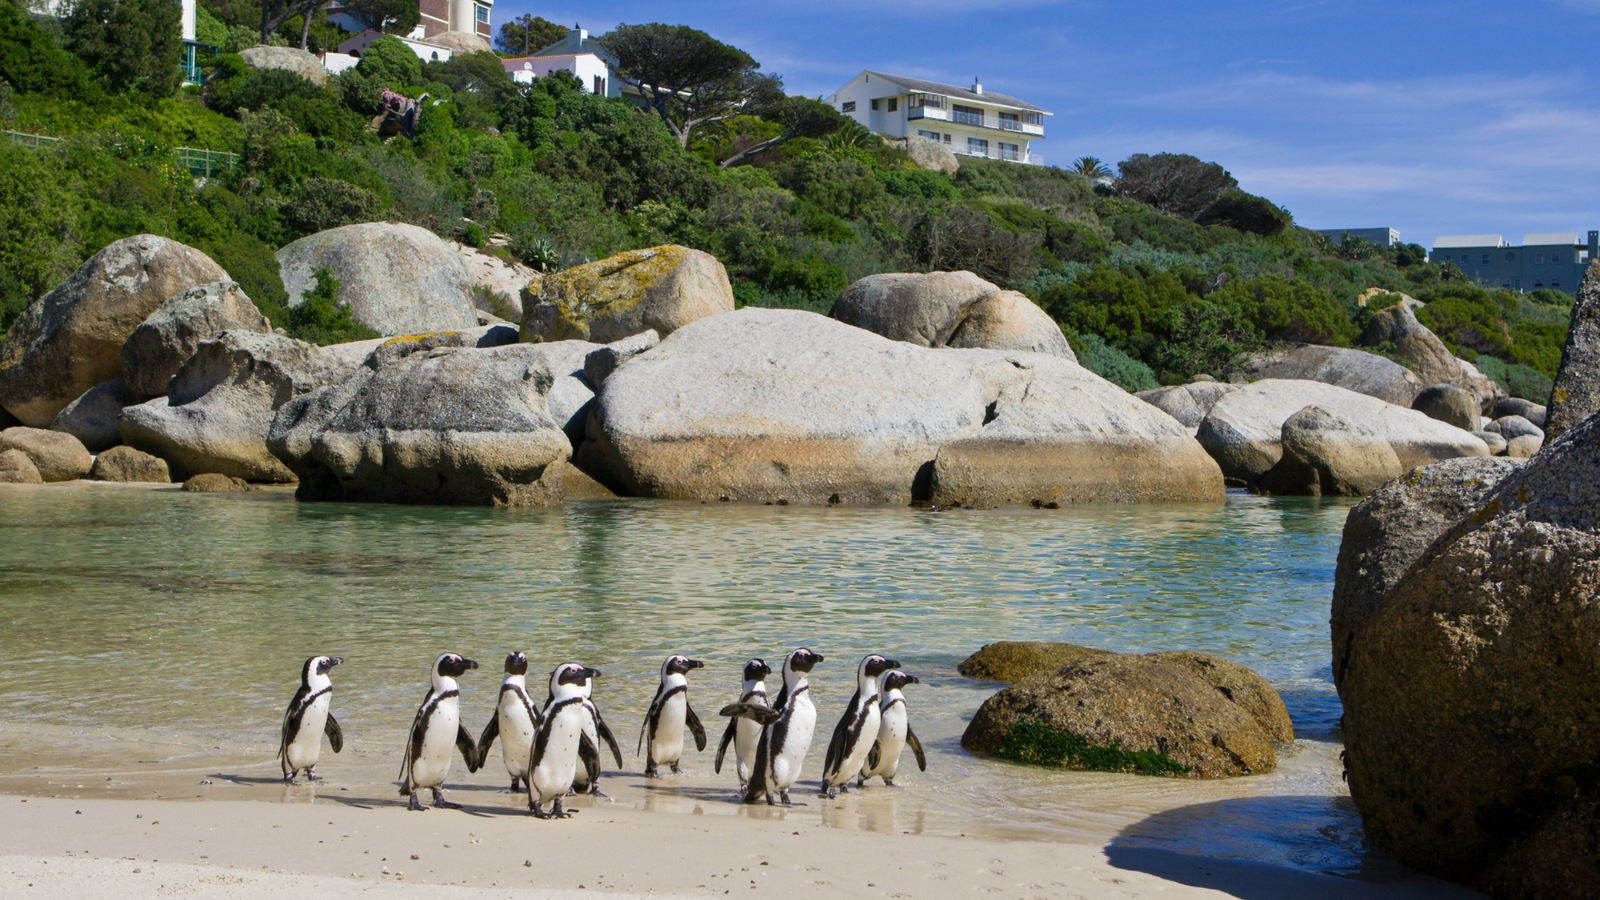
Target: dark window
column 600, row 85
column 1486, row 259
column 1555, row 257
column 1538, row 259
column 894, row 104
column 874, row 104
column 849, row 106
column 966, row 115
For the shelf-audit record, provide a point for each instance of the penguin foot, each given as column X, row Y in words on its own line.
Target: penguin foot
column 537, row 810
column 288, row 779
column 594, row 791
column 312, row 776
column 888, row 782
column 652, row 773
column 556, row 812
column 440, row 802
column 416, row 804
column 516, row 786
column 676, row 770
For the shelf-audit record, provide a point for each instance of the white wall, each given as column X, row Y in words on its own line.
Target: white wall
column 583, row 66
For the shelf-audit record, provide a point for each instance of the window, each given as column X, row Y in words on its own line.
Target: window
column 600, row 85
column 947, row 140
column 1556, row 285
column 977, row 147
column 894, row 104
column 1555, row 258
column 849, row 106
column 1009, row 151
column 483, row 14
column 1538, row 259
column 1537, row 285
column 1505, row 282
column 930, row 135
column 966, row 115
column 1010, row 122
column 933, row 100
column 1463, row 259
column 874, row 104
column 1486, row 259
column 1033, row 118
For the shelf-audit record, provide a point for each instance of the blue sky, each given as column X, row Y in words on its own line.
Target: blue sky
column 1430, row 117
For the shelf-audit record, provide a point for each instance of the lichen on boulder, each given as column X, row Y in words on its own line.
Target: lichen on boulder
column 661, row 288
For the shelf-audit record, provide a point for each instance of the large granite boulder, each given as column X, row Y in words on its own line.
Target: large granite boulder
column 1184, row 714
column 599, row 365
column 1469, row 692
column 505, row 277
column 1576, row 394
column 1353, row 370
column 1497, row 444
column 1430, row 359
column 1015, row 660
column 1244, row 429
column 125, row 464
column 57, row 456
column 662, row 288
column 92, row 418
column 1510, row 427
column 1326, row 455
column 788, row 406
column 949, row 309
column 462, row 41
column 1524, row 446
column 292, row 59
column 1188, row 403
column 70, row 340
column 17, row 467
column 171, row 334
column 1449, row 404
column 397, row 279
column 930, row 154
column 214, row 483
column 424, row 422
column 1516, row 406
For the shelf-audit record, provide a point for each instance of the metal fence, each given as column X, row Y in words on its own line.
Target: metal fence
column 205, row 163
column 23, row 139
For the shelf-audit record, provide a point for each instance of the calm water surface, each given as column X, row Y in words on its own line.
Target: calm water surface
column 152, row 640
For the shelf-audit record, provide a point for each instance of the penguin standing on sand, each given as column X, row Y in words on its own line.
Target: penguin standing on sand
column 894, row 734
column 786, row 736
column 435, row 732
column 587, row 779
column 857, row 731
column 669, row 713
column 307, row 719
column 743, row 732
column 554, row 763
column 515, row 720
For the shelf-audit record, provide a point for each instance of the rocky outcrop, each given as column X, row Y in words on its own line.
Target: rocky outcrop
column 949, row 309
column 290, row 59
column 462, row 41
column 1244, row 428
column 1516, row 406
column 1353, row 370
column 425, row 423
column 1016, row 660
column 125, row 464
column 930, row 154
column 1576, row 394
column 17, row 467
column 57, row 456
column 171, row 334
column 1188, row 403
column 1469, row 690
column 397, row 279
column 220, row 405
column 599, row 365
column 70, row 340
column 213, row 483
column 787, row 406
column 1429, row 358
column 1325, row 455
column 1157, row 714
column 662, row 288
column 92, row 418
column 1449, row 404
column 503, row 276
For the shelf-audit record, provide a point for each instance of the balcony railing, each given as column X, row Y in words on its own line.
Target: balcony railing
column 976, row 120
column 1020, row 155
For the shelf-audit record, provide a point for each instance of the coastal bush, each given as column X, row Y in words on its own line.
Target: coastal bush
column 1112, row 364
column 322, row 319
column 1031, row 741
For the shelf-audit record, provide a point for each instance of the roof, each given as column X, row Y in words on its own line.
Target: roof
column 1468, row 240
column 919, row 86
column 1563, row 238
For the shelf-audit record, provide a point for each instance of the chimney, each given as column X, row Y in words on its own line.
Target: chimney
column 1594, row 246
column 577, row 35
column 977, row 86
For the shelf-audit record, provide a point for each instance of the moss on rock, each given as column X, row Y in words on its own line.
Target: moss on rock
column 1032, row 741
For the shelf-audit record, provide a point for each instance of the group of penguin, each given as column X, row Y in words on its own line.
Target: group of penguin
column 553, row 751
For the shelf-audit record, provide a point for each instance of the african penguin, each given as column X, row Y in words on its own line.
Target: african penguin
column 515, row 720
column 436, row 727
column 553, row 765
column 857, row 731
column 669, row 713
column 594, row 731
column 307, row 719
column 895, row 734
column 743, row 732
column 786, row 736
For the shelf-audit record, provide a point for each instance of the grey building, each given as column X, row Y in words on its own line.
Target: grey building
column 1383, row 237
column 1552, row 261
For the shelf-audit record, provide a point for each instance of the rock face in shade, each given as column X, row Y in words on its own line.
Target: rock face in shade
column 7, row 420
column 1469, row 691
column 1510, row 427
column 1516, row 406
column 1449, row 404
column 1353, row 370
column 1325, row 455
column 1430, row 359
column 291, row 59
column 1188, row 403
column 782, row 405
column 662, row 288
column 1576, row 394
column 70, row 340
column 396, row 279
column 57, row 456
column 950, row 309
column 17, row 467
column 172, row 333
column 92, row 418
column 599, row 365
column 126, row 464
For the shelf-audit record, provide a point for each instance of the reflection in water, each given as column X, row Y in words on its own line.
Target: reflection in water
column 190, row 615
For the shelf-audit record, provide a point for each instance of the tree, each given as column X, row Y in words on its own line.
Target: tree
column 688, row 77
column 800, row 117
column 526, row 33
column 388, row 16
column 1176, row 184
column 276, row 12
column 129, row 45
column 1092, row 169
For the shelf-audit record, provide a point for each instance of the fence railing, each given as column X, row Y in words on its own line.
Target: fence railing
column 974, row 119
column 23, row 139
column 200, row 162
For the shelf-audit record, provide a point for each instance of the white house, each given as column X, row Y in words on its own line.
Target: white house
column 350, row 52
column 578, row 54
column 438, row 16
column 970, row 121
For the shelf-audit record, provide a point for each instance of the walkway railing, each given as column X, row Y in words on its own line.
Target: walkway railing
column 200, row 162
column 35, row 141
column 974, row 119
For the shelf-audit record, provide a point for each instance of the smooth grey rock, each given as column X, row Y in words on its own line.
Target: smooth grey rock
column 70, row 340
column 1496, row 443
column 17, row 467
column 660, row 288
column 1327, row 455
column 950, row 309
column 1576, row 395
column 1431, row 361
column 125, row 464
column 1523, row 446
column 1449, row 404
column 1188, row 403
column 1353, row 370
column 505, row 277
column 292, row 59
column 930, row 154
column 171, row 334
column 602, row 362
column 92, row 418
column 1510, row 427
column 397, row 279
column 1516, row 406
column 57, row 456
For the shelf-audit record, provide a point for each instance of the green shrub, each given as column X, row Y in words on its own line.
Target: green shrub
column 251, row 263
column 1113, row 365
column 323, row 203
column 1032, row 741
column 31, row 60
column 322, row 319
column 40, row 240
column 1517, row 380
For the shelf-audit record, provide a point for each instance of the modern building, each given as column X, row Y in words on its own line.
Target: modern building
column 581, row 56
column 970, row 121
column 1383, row 237
column 1553, row 260
column 438, row 16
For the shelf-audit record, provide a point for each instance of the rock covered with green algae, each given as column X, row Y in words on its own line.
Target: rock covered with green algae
column 661, row 288
column 1179, row 713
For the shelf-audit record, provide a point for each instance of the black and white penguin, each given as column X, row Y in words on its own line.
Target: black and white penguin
column 744, row 732
column 894, row 734
column 433, row 732
column 515, row 720
column 669, row 713
column 786, row 736
column 857, row 731
column 307, row 719
column 595, row 730
column 554, row 763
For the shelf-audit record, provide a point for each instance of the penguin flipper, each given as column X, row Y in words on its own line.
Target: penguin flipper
column 468, row 748
column 872, row 759
column 693, row 721
column 916, row 749
column 291, row 724
column 334, row 733
column 841, row 740
column 604, row 732
column 589, row 755
column 486, row 740
column 722, row 746
column 764, row 715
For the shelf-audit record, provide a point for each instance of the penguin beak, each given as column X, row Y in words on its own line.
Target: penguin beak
column 695, row 664
column 817, row 657
column 335, row 660
column 470, row 663
column 591, row 673
column 912, row 679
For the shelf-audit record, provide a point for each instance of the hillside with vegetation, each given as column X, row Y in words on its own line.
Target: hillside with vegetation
column 1166, row 271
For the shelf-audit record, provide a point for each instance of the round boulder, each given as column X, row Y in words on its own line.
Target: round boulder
column 397, row 279
column 1328, row 455
column 1188, row 403
column 1016, row 660
column 1516, row 406
column 172, row 333
column 462, row 41
column 1510, row 427
column 1353, row 370
column 92, row 418
column 1449, row 404
column 126, row 464
column 1496, row 443
column 949, row 309
column 57, row 456
column 931, row 154
column 17, row 467
column 662, row 288
column 291, row 59
column 1524, row 446
column 217, row 483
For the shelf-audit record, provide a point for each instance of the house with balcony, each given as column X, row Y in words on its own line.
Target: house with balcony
column 1555, row 261
column 438, row 17
column 969, row 121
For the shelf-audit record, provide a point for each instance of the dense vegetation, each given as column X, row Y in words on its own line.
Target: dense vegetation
column 1172, row 271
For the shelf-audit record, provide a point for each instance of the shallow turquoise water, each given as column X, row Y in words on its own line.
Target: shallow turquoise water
column 185, row 617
